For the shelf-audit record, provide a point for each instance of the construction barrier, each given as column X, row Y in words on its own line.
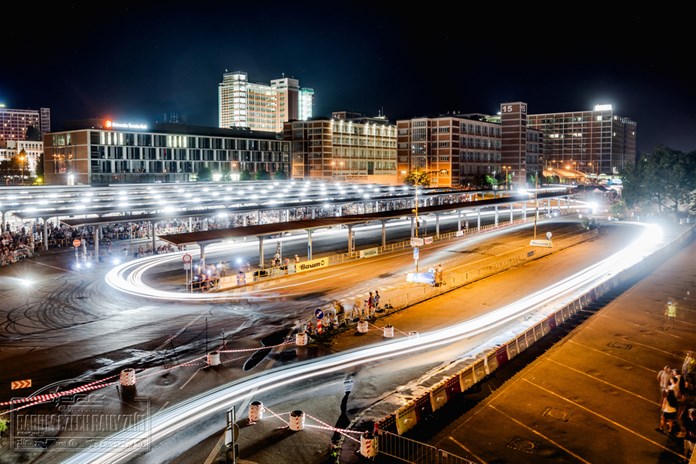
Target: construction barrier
column 128, row 377
column 368, row 445
column 256, row 410
column 362, row 327
column 214, row 358
column 301, row 338
column 388, row 331
column 297, row 419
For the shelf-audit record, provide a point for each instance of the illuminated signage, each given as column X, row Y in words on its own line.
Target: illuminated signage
column 124, row 125
column 603, row 107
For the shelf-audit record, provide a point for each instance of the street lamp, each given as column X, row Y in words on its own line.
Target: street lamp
column 507, row 176
column 21, row 159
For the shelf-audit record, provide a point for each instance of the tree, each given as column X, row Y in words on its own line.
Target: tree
column 245, row 175
column 262, row 174
column 40, row 166
column 664, row 178
column 280, row 175
column 418, row 177
column 3, row 425
column 33, row 134
column 205, row 174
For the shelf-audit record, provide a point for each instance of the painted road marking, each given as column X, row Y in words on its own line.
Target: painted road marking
column 467, row 450
column 649, row 369
column 603, row 381
column 190, row 379
column 536, row 432
column 584, row 408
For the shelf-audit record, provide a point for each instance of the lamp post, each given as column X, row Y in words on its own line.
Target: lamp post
column 420, row 179
column 507, row 176
column 21, row 159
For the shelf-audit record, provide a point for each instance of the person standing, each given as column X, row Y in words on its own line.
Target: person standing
column 376, row 300
column 669, row 412
column 663, row 378
column 670, row 313
column 690, row 429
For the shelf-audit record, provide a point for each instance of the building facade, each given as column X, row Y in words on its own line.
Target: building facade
column 594, row 142
column 262, row 107
column 15, row 122
column 29, row 148
column 345, row 147
column 102, row 152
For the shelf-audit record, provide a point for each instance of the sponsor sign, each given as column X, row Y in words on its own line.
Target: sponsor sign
column 421, row 278
column 541, row 243
column 427, row 240
column 416, row 242
column 311, row 265
column 369, row 252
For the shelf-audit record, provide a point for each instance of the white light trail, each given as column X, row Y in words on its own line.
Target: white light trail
column 216, row 401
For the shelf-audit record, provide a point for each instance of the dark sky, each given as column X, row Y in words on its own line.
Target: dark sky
column 134, row 62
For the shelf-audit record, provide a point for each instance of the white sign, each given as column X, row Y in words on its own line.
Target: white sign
column 549, row 235
column 416, row 241
column 541, row 243
column 459, row 233
column 311, row 265
column 187, row 266
column 428, row 240
column 369, row 252
column 125, row 125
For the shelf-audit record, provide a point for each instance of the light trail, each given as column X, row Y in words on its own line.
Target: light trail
column 128, row 277
column 164, row 423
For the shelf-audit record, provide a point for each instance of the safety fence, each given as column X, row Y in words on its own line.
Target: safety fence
column 436, row 397
column 412, row 451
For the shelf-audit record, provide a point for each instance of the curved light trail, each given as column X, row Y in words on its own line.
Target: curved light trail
column 180, row 416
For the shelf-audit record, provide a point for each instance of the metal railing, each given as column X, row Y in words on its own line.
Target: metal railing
column 412, row 451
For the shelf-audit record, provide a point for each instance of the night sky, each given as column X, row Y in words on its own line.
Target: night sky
column 134, row 62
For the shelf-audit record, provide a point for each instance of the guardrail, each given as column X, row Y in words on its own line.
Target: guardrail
column 409, row 415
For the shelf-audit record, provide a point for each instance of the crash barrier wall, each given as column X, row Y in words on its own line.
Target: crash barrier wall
column 407, row 450
column 411, row 294
column 409, row 415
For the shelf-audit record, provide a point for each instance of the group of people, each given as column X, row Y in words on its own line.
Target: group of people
column 675, row 386
column 15, row 246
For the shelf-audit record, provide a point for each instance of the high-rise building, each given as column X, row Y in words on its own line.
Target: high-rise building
column 262, row 107
column 14, row 122
column 595, row 142
column 104, row 152
column 460, row 150
column 345, row 147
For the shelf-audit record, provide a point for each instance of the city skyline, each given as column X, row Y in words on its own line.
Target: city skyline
column 137, row 62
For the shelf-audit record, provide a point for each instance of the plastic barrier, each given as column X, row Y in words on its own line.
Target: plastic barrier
column 214, row 358
column 368, row 445
column 301, row 338
column 256, row 410
column 362, row 327
column 297, row 419
column 127, row 377
column 388, row 331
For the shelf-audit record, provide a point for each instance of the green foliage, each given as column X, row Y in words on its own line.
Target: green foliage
column 280, row 175
column 205, row 174
column 226, row 173
column 418, row 177
column 3, row 425
column 262, row 174
column 490, row 180
column 33, row 134
column 40, row 166
column 245, row 175
column 664, row 179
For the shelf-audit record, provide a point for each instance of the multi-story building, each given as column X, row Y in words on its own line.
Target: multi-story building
column 262, row 107
column 595, row 142
column 459, row 150
column 345, row 147
column 105, row 152
column 14, row 122
column 30, row 148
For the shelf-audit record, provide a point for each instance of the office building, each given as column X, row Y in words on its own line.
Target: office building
column 594, row 142
column 30, row 148
column 457, row 150
column 346, row 147
column 15, row 122
column 107, row 152
column 262, row 107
